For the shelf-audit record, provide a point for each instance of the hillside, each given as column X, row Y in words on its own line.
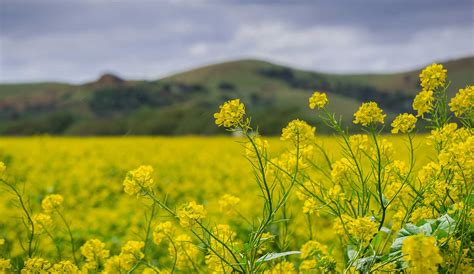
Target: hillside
column 184, row 103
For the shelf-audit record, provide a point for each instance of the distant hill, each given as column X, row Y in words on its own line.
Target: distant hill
column 184, row 103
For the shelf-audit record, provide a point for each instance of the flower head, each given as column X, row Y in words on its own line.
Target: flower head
column 163, row 230
column 230, row 114
column 5, row 264
column 138, row 180
column 421, row 254
column 3, row 167
column 36, row 265
column 190, row 213
column 318, row 99
column 362, row 229
column 298, row 131
column 52, row 202
column 41, row 222
column 432, row 77
column 261, row 145
column 65, row 266
column 94, row 251
column 423, row 102
column 228, row 203
column 369, row 113
column 463, row 102
column 404, row 123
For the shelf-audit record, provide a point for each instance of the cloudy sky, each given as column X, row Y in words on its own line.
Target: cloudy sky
column 76, row 41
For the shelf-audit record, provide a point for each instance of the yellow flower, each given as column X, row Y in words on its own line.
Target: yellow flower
column 41, row 222
column 318, row 99
column 341, row 169
column 369, row 113
column 421, row 213
column 230, row 114
column 131, row 253
column 359, row 142
column 228, row 203
column 186, row 252
column 52, row 202
column 139, row 180
column 308, row 265
column 463, row 102
column 310, row 206
column 260, row 144
column 36, row 265
column 2, row 241
column 94, row 251
column 3, row 167
column 404, row 123
column 432, row 77
column 362, row 229
column 421, row 254
column 190, row 213
column 5, row 264
column 423, row 102
column 282, row 267
column 313, row 249
column 298, row 131
column 65, row 267
column 163, row 230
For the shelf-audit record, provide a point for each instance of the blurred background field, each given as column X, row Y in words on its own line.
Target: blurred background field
column 89, row 173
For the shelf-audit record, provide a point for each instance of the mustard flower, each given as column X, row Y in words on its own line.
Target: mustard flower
column 404, row 123
column 312, row 249
column 363, row 229
column 310, row 206
column 423, row 102
column 3, row 167
column 282, row 267
column 341, row 169
column 5, row 265
column 432, row 77
column 139, row 180
column 131, row 253
column 359, row 142
column 463, row 102
column 308, row 265
column 52, row 202
column 94, row 251
column 228, row 203
column 368, row 114
column 41, row 222
column 298, row 131
column 190, row 213
column 421, row 254
column 260, row 144
column 65, row 266
column 186, row 252
column 36, row 265
column 318, row 99
column 231, row 114
column 163, row 230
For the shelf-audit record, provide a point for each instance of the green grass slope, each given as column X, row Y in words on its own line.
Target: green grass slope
column 184, row 103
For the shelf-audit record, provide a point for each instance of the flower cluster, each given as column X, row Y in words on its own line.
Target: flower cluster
column 423, row 102
column 299, row 132
column 139, row 180
column 231, row 114
column 463, row 102
column 318, row 99
column 369, row 114
column 404, row 123
column 421, row 254
column 191, row 213
column 432, row 77
column 52, row 202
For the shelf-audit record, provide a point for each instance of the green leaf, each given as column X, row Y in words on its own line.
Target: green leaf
column 273, row 256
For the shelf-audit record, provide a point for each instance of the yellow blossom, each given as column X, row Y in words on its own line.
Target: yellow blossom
column 368, row 114
column 423, row 102
column 310, row 206
column 5, row 265
column 341, row 169
column 404, row 123
column 52, row 202
column 359, row 142
column 139, row 180
column 3, row 167
column 318, row 99
column 261, row 145
column 299, row 132
column 312, row 249
column 228, row 203
column 432, row 77
column 36, row 265
column 463, row 102
column 66, row 267
column 421, row 254
column 363, row 229
column 190, row 213
column 282, row 267
column 94, row 251
column 230, row 114
column 185, row 253
column 163, row 230
column 41, row 222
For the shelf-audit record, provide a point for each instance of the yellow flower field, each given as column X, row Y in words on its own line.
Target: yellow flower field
column 368, row 203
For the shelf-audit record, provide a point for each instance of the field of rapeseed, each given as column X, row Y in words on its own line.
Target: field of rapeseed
column 299, row 203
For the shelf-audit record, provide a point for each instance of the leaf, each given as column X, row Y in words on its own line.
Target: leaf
column 273, row 255
column 409, row 230
column 363, row 264
column 446, row 224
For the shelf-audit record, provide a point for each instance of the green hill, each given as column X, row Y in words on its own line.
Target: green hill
column 184, row 103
